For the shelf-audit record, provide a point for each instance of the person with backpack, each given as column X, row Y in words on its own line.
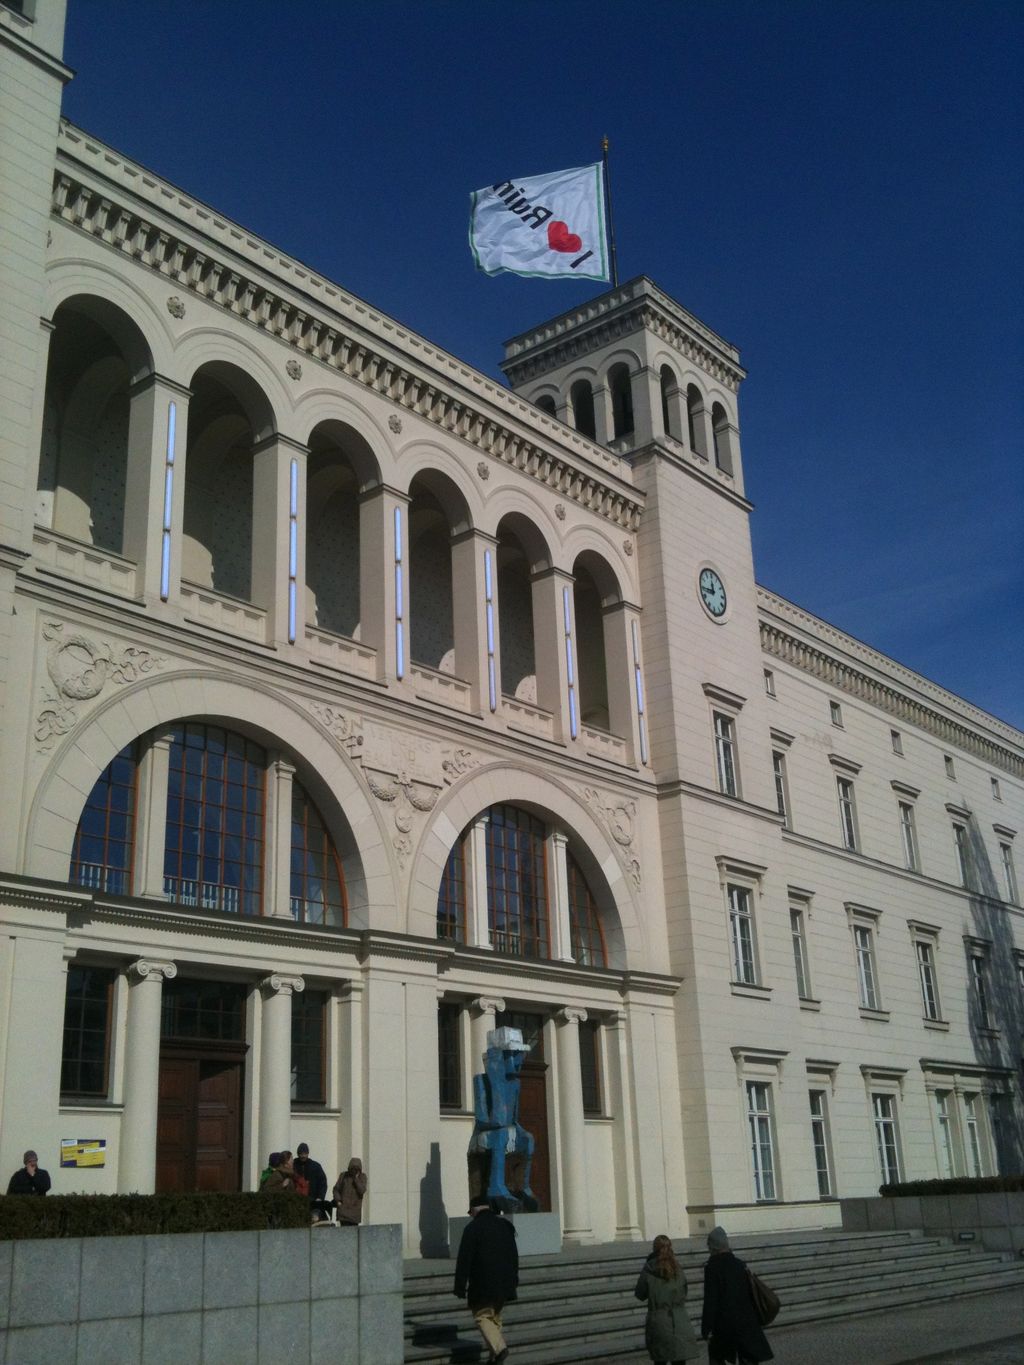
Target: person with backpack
column 668, row 1335
column 730, row 1320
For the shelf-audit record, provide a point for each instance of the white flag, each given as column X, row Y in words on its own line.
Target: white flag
column 545, row 225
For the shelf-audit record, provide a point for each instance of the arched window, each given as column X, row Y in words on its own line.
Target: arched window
column 722, row 437
column 213, row 852
column 101, row 857
column 546, row 404
column 581, row 400
column 317, row 879
column 669, row 403
column 517, row 890
column 621, row 387
column 695, row 420
column 451, row 898
column 587, row 937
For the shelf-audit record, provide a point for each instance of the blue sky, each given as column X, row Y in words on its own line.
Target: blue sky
column 835, row 187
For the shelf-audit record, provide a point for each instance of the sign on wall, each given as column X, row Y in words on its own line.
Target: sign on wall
column 83, row 1152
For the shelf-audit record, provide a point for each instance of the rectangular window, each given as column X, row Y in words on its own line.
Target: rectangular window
column 960, row 846
column 759, row 1118
column 929, row 983
column 897, row 742
column 836, row 712
column 741, row 927
column 863, row 938
column 972, row 1134
column 1009, row 873
column 803, row 979
column 821, row 1144
column 996, row 793
column 908, row 833
column 950, row 770
column 309, row 1047
column 995, row 1118
column 847, row 813
column 769, row 682
column 590, row 1066
column 449, row 1056
column 887, row 1137
column 781, row 785
column 947, row 1150
column 979, row 984
column 86, row 1052
column 725, row 753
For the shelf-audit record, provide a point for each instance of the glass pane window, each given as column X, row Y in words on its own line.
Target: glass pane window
column 962, row 854
column 929, row 985
column 725, row 753
column 781, row 793
column 947, row 1152
column 213, row 852
column 972, row 1133
column 451, row 895
column 1009, row 873
column 820, row 1143
column 886, row 1137
column 759, row 1118
column 517, row 893
column 803, row 980
column 897, row 741
column 908, row 833
column 86, row 1049
column 101, row 857
column 847, row 813
column 585, row 930
column 741, row 930
column 214, row 1010
column 309, row 1047
column 449, row 1056
column 864, row 940
column 996, row 1124
column 317, row 892
column 979, row 978
column 590, row 1066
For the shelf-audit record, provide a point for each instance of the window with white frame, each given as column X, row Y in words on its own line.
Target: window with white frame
column 897, row 742
column 798, row 930
column 996, row 793
column 961, row 848
column 946, row 1136
column 977, row 965
column 864, row 925
column 821, row 1143
column 762, row 1151
column 725, row 753
column 741, row 933
column 769, row 682
column 883, row 1107
column 996, row 1115
column 1009, row 872
column 928, row 977
column 973, row 1138
column 847, row 812
column 836, row 713
column 950, row 769
column 781, row 785
column 908, row 834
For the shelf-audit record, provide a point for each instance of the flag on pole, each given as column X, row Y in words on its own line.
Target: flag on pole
column 547, row 225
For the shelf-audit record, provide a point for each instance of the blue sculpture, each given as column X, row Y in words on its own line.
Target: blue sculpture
column 501, row 1150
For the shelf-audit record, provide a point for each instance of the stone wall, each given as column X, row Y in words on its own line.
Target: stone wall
column 298, row 1295
column 996, row 1219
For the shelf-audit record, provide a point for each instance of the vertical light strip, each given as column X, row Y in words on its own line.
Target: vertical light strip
column 492, row 691
column 638, row 683
column 399, row 613
column 570, row 671
column 165, row 539
column 293, row 545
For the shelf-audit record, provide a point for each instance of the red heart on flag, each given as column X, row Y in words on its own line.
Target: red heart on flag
column 561, row 239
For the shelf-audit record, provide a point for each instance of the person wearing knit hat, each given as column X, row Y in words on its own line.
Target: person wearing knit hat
column 729, row 1319
column 31, row 1179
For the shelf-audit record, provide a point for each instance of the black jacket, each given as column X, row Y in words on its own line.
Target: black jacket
column 23, row 1183
column 729, row 1316
column 314, row 1173
column 487, row 1269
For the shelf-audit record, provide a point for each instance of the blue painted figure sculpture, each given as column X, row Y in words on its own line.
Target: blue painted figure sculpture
column 501, row 1150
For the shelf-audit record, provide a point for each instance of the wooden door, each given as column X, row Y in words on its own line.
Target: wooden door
column 533, row 1115
column 218, row 1091
column 175, row 1125
column 198, row 1122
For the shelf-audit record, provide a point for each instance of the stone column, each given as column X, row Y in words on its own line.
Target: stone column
column 576, row 1224
column 384, row 594
column 276, row 1061
column 478, row 931
column 620, row 1104
column 155, row 484
column 136, row 1172
column 481, row 1021
column 604, row 420
column 560, row 927
column 151, row 824
column 552, row 658
column 278, row 852
column 469, row 604
column 278, row 539
column 647, row 423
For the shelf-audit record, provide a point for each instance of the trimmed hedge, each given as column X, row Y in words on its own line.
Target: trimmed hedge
column 129, row 1215
column 985, row 1184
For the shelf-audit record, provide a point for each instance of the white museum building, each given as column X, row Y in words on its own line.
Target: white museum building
column 355, row 704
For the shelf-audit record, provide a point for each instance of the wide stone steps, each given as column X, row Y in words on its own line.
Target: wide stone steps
column 579, row 1305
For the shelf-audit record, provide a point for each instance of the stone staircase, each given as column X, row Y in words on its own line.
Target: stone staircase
column 579, row 1305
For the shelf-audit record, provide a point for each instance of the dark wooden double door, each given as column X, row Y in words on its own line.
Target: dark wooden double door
column 199, row 1117
column 533, row 1099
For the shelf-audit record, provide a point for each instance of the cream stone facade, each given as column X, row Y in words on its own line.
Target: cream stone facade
column 353, row 703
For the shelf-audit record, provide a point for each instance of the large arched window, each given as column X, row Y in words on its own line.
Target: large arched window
column 546, row 404
column 722, row 435
column 581, row 400
column 587, row 937
column 317, row 879
column 517, row 888
column 101, row 857
column 451, row 898
column 621, row 388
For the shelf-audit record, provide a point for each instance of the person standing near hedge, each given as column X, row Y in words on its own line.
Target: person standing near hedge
column 31, row 1179
column 349, row 1189
column 662, row 1286
column 316, row 1181
column 279, row 1180
column 729, row 1319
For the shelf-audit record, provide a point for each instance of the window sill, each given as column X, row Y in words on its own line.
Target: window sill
column 882, row 1016
column 312, row 1107
column 939, row 1025
column 750, row 991
column 457, row 1114
column 989, row 1032
column 807, row 1002
column 85, row 1105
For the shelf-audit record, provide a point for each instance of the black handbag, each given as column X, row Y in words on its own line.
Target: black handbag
column 766, row 1301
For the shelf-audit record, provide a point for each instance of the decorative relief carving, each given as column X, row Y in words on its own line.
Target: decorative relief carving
column 293, row 369
column 627, row 545
column 175, row 307
column 407, row 795
column 484, row 470
column 346, row 729
column 560, row 510
column 618, row 816
column 79, row 669
column 395, row 423
column 458, row 762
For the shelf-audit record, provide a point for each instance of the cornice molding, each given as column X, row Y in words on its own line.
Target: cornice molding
column 346, row 348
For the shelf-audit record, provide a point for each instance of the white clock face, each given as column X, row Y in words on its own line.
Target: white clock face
column 712, row 592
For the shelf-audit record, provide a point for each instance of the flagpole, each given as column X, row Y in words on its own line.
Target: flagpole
column 608, row 213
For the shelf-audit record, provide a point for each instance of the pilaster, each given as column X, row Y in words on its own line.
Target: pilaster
column 276, row 1060
column 136, row 1173
column 576, row 1220
column 154, row 500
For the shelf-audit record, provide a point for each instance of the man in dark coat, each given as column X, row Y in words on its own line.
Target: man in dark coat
column 316, row 1178
column 487, row 1273
column 729, row 1318
column 31, row 1179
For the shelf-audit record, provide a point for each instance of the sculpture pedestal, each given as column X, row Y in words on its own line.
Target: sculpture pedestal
column 537, row 1234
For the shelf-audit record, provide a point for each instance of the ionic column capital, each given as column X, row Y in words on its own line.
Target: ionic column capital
column 571, row 1015
column 488, row 1004
column 278, row 983
column 150, row 969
